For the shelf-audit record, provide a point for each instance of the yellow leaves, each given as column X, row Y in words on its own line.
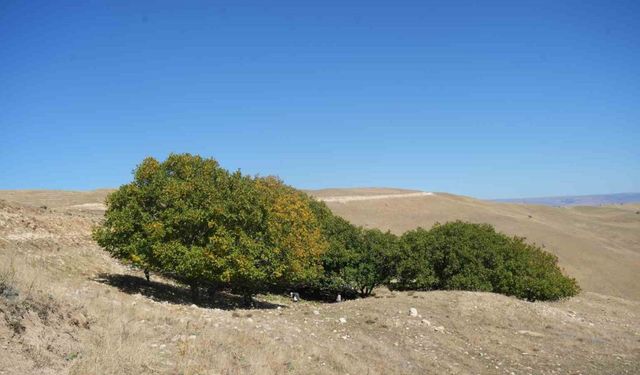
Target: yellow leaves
column 154, row 230
column 293, row 228
column 243, row 229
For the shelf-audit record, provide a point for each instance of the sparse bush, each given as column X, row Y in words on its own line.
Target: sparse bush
column 466, row 256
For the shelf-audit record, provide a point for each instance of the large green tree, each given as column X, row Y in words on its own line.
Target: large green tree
column 190, row 219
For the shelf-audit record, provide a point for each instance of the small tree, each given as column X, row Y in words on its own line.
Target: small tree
column 344, row 240
column 358, row 260
column 372, row 263
column 414, row 270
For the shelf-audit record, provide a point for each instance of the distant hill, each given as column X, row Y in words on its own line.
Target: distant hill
column 579, row 200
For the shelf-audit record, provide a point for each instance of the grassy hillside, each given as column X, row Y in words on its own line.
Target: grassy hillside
column 66, row 307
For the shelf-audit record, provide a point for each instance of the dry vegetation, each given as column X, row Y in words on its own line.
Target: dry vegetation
column 83, row 313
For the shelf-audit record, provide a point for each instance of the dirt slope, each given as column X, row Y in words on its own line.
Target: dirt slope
column 54, row 198
column 600, row 246
column 84, row 313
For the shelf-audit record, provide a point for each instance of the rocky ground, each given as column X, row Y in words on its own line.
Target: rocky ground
column 66, row 307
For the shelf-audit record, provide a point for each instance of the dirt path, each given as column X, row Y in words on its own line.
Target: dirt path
column 351, row 198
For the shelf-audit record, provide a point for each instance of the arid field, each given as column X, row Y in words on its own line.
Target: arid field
column 67, row 307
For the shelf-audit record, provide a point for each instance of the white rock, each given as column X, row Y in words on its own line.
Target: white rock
column 343, row 320
column 413, row 312
column 530, row 333
column 438, row 329
column 316, row 312
column 425, row 321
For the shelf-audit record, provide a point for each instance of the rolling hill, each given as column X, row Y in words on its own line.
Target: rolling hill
column 66, row 307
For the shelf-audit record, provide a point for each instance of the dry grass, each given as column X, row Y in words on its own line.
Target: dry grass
column 127, row 326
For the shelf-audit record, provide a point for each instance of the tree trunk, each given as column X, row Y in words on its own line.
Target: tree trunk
column 147, row 275
column 247, row 299
column 195, row 293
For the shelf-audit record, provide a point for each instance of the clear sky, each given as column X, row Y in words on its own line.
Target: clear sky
column 489, row 99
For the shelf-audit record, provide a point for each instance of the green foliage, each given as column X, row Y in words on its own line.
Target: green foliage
column 190, row 219
column 414, row 270
column 358, row 260
column 372, row 262
column 343, row 240
column 466, row 256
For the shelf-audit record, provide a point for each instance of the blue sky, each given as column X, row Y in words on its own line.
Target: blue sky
column 489, row 99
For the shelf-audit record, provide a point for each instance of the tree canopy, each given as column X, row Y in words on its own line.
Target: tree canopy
column 468, row 256
column 192, row 220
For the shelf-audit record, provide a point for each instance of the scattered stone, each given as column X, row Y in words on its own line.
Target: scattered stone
column 530, row 333
column 425, row 321
column 342, row 320
column 316, row 312
column 413, row 312
column 439, row 329
column 10, row 293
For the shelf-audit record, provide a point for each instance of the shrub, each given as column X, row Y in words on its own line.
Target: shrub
column 468, row 256
column 414, row 270
column 358, row 260
column 372, row 263
column 343, row 241
column 192, row 220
